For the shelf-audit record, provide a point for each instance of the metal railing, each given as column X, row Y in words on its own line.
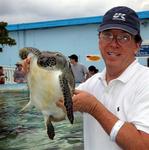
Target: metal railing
column 9, row 71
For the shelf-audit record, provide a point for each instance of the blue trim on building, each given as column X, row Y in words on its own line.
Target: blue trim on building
column 56, row 23
column 66, row 22
column 143, row 15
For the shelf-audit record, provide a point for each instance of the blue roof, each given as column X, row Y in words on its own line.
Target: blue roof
column 66, row 22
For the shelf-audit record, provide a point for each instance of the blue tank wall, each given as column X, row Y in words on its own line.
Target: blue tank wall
column 80, row 38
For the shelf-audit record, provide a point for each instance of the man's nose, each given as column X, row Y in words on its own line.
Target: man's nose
column 114, row 42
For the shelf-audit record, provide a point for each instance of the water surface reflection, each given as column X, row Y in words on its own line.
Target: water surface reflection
column 26, row 131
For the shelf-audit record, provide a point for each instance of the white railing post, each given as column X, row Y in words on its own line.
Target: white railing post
column 9, row 71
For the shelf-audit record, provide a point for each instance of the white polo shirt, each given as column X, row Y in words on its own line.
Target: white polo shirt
column 127, row 97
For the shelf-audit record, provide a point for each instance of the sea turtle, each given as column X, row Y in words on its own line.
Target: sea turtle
column 50, row 79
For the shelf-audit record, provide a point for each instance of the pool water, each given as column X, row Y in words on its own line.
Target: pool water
column 26, row 130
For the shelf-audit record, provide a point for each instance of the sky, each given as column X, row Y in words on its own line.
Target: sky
column 27, row 11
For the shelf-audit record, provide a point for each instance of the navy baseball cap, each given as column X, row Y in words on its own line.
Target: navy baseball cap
column 123, row 18
column 73, row 56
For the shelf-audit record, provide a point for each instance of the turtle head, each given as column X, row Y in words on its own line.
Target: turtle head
column 51, row 60
column 23, row 53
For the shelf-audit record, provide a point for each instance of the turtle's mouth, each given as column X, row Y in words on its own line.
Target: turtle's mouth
column 46, row 61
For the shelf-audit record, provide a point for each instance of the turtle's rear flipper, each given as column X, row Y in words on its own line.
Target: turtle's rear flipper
column 67, row 98
column 50, row 129
column 26, row 106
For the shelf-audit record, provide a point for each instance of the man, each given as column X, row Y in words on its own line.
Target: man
column 2, row 75
column 92, row 70
column 19, row 75
column 80, row 71
column 116, row 101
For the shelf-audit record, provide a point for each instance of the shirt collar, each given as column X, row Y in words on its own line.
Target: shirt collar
column 129, row 72
column 125, row 76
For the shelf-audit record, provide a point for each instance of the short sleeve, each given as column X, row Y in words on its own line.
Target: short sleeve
column 139, row 113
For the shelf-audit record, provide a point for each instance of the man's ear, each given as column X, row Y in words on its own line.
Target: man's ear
column 138, row 45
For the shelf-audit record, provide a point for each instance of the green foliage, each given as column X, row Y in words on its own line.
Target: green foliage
column 4, row 38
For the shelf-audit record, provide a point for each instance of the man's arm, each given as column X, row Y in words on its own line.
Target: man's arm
column 25, row 65
column 128, row 137
column 86, row 73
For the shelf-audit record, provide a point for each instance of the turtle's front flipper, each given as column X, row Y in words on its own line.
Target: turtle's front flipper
column 50, row 129
column 67, row 97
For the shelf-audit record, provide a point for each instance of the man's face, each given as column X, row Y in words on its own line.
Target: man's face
column 1, row 70
column 72, row 61
column 19, row 67
column 117, row 47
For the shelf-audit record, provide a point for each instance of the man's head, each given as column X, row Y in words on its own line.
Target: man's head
column 123, row 18
column 92, row 70
column 1, row 69
column 19, row 65
column 119, row 37
column 73, row 58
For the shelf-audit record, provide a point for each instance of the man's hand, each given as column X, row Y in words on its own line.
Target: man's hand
column 84, row 102
column 60, row 104
column 25, row 65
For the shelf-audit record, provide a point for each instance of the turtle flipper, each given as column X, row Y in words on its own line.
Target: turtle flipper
column 50, row 129
column 26, row 106
column 67, row 97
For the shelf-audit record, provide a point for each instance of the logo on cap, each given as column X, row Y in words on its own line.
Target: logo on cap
column 119, row 16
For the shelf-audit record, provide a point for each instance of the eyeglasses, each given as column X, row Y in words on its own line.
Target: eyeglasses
column 122, row 38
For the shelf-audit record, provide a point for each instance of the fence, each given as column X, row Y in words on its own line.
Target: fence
column 9, row 71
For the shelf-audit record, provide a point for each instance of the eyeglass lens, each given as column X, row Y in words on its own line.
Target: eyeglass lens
column 121, row 38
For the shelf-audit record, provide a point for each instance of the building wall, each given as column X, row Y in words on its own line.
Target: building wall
column 79, row 39
column 145, row 37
